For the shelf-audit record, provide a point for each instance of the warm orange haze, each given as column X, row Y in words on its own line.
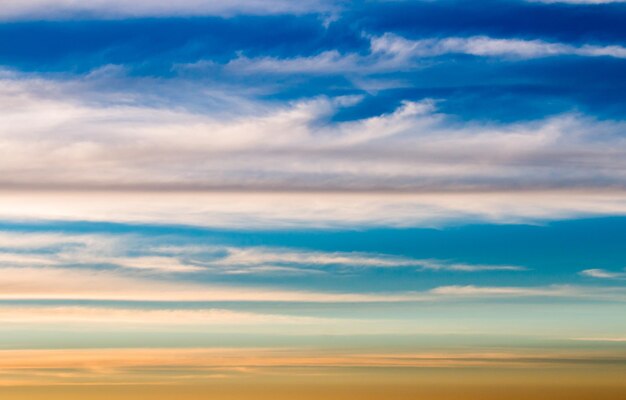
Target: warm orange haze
column 313, row 199
column 236, row 374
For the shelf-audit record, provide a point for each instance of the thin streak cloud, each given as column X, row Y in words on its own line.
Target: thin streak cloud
column 85, row 316
column 404, row 49
column 102, row 9
column 603, row 274
column 391, row 52
column 72, row 284
column 137, row 253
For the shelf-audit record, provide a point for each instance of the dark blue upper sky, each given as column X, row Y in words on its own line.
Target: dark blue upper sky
column 499, row 88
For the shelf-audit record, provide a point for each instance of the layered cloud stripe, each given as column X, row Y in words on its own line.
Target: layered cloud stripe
column 312, row 199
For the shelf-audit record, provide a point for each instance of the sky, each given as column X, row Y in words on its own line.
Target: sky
column 340, row 199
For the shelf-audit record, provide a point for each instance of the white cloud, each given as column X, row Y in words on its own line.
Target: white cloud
column 131, row 162
column 471, row 290
column 130, row 317
column 405, row 49
column 68, row 144
column 312, row 210
column 603, row 274
column 61, row 9
column 25, row 249
column 391, row 52
column 25, row 283
column 143, row 254
column 551, row 291
column 256, row 256
column 37, row 241
column 323, row 63
column 57, row 283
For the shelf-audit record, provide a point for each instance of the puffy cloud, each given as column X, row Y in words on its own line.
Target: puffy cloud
column 551, row 291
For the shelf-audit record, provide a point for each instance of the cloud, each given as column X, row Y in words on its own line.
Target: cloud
column 413, row 166
column 143, row 254
column 393, row 53
column 552, row 291
column 102, row 9
column 33, row 249
column 324, row 63
column 404, row 49
column 471, row 290
column 25, row 283
column 38, row 241
column 250, row 258
column 452, row 266
column 603, row 274
column 75, row 143
column 132, row 317
column 288, row 210
column 56, row 283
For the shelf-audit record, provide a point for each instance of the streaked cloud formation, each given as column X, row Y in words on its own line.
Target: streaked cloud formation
column 62, row 9
column 380, row 196
column 604, row 274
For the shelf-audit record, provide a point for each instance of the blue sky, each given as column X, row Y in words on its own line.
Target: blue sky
column 398, row 174
column 507, row 86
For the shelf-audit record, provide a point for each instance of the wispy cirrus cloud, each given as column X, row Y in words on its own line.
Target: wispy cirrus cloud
column 393, row 53
column 252, row 257
column 102, row 9
column 140, row 254
column 603, row 274
column 23, row 283
column 124, row 317
column 550, row 291
column 405, row 49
